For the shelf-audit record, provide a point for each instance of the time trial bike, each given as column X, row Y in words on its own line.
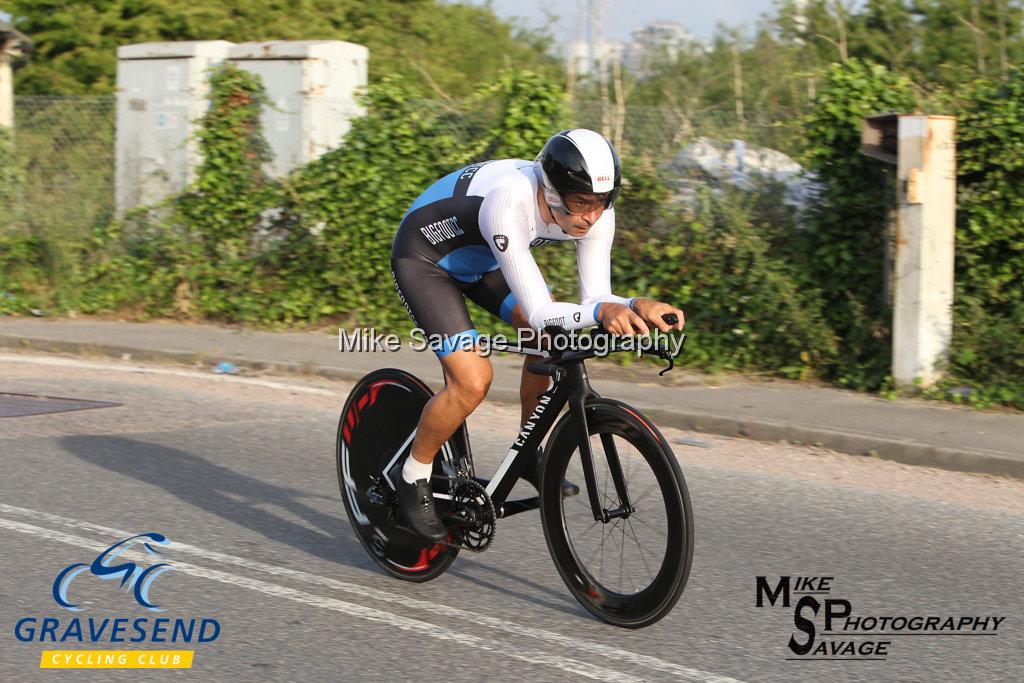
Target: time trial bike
column 623, row 546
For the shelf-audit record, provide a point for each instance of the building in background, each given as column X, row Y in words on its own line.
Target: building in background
column 584, row 58
column 660, row 40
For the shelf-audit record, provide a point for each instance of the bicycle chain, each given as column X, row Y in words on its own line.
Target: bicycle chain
column 466, row 492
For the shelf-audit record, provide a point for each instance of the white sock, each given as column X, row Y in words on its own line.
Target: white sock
column 413, row 470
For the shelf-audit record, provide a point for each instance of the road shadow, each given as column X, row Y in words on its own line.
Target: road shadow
column 230, row 495
column 250, row 503
column 561, row 602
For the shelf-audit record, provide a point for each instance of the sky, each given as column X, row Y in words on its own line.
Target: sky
column 625, row 16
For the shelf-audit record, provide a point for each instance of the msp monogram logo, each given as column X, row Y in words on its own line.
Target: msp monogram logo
column 844, row 635
column 138, row 580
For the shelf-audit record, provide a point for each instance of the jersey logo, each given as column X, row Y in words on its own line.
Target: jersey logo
column 501, row 242
column 470, row 171
column 576, row 317
column 540, row 241
column 442, row 230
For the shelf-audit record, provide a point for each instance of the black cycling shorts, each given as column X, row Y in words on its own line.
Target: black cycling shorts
column 437, row 302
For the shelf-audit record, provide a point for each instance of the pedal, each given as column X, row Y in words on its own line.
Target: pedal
column 378, row 494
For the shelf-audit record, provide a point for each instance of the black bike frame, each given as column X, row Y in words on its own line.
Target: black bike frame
column 536, row 428
column 571, row 387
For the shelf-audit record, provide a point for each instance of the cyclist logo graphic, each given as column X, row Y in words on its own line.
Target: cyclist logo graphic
column 138, row 579
column 501, row 242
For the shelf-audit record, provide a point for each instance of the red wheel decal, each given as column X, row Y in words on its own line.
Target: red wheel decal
column 426, row 555
column 421, row 563
column 355, row 411
column 377, row 386
column 644, row 423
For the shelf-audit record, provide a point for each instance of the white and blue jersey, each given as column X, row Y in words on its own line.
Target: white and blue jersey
column 475, row 227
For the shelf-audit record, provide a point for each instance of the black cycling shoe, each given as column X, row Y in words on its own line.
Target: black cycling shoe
column 416, row 503
column 532, row 476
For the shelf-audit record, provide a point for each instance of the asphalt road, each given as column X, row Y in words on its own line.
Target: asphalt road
column 240, row 476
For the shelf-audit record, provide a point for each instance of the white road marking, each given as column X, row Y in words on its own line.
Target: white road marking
column 57, row 361
column 614, row 653
column 420, row 628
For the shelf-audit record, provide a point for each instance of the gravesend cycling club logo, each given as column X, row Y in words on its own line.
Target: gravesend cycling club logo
column 130, row 566
column 130, row 573
column 848, row 636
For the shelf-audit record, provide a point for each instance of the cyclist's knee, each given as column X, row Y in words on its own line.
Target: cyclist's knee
column 469, row 378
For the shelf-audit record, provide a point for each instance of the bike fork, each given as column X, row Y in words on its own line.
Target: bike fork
column 578, row 406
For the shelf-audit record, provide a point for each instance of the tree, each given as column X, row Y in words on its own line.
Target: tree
column 446, row 47
column 887, row 33
column 962, row 39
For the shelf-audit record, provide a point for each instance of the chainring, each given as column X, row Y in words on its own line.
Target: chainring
column 470, row 499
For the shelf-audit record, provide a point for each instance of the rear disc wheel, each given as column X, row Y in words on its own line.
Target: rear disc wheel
column 377, row 426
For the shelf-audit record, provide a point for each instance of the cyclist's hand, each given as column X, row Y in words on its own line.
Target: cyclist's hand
column 651, row 311
column 619, row 319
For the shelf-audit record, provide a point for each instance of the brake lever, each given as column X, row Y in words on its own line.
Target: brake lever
column 671, row 364
column 664, row 353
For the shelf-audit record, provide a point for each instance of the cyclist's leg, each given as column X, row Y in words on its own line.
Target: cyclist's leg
column 467, row 378
column 494, row 295
column 437, row 305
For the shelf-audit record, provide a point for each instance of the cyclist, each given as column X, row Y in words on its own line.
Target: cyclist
column 469, row 236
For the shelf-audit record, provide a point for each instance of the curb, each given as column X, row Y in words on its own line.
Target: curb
column 903, row 451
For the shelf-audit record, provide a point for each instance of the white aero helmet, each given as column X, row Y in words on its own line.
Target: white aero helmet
column 579, row 160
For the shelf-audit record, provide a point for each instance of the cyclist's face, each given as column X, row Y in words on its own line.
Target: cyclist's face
column 586, row 209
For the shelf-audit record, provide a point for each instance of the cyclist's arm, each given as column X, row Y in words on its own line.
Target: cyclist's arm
column 593, row 254
column 505, row 213
column 594, row 262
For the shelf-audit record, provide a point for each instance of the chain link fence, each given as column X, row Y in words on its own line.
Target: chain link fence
column 658, row 134
column 63, row 155
column 63, row 173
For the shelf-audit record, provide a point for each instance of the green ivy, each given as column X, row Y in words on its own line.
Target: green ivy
column 990, row 170
column 22, row 279
column 988, row 337
column 222, row 210
column 842, row 252
column 761, row 291
column 344, row 208
column 745, row 304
